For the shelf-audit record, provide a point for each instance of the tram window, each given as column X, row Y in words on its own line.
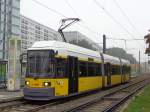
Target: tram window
column 61, row 67
column 98, row 69
column 31, row 64
column 128, row 69
column 82, row 68
column 115, row 69
column 119, row 70
column 40, row 64
column 50, row 69
column 44, row 66
column 91, row 69
column 125, row 69
column 105, row 69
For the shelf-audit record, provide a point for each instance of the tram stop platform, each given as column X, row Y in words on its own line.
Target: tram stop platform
column 10, row 95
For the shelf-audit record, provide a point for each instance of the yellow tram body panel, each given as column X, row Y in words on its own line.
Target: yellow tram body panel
column 60, row 85
column 89, row 83
column 115, row 79
column 127, row 77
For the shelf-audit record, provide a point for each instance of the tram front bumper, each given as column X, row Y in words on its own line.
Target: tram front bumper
column 39, row 93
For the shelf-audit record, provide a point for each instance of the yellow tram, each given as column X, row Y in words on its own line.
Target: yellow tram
column 58, row 69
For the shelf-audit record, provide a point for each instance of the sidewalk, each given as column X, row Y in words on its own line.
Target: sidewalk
column 8, row 95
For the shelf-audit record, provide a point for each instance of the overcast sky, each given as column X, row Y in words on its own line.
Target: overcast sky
column 96, row 21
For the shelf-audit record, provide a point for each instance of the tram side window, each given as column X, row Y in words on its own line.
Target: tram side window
column 98, row 69
column 61, row 68
column 113, row 69
column 125, row 69
column 105, row 69
column 119, row 70
column 128, row 69
column 82, row 68
column 91, row 69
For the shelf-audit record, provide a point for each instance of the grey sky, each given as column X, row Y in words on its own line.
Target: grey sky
column 96, row 19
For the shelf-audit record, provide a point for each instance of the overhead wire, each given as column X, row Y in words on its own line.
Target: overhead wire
column 60, row 14
column 52, row 10
column 129, row 21
column 89, row 29
column 123, row 39
column 125, row 15
column 67, row 2
column 84, row 23
column 115, row 20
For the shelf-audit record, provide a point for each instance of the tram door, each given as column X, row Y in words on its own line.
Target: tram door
column 73, row 74
column 108, row 74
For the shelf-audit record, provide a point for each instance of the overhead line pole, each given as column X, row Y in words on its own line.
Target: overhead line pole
column 104, row 43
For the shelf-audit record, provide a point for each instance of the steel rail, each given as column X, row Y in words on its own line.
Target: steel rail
column 80, row 107
column 122, row 100
column 11, row 104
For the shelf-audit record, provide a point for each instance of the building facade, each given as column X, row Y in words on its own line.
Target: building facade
column 10, row 41
column 32, row 31
column 9, row 24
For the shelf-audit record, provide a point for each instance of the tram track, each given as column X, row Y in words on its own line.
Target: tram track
column 69, row 105
column 65, row 104
column 12, row 103
column 24, row 106
column 111, row 101
column 21, row 105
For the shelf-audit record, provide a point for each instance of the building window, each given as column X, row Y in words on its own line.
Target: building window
column 38, row 27
column 16, row 30
column 46, row 31
column 16, row 12
column 16, row 3
column 15, row 21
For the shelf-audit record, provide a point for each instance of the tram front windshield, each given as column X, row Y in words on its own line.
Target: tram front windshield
column 40, row 64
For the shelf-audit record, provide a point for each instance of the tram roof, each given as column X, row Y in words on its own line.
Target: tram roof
column 108, row 58
column 125, row 61
column 57, row 45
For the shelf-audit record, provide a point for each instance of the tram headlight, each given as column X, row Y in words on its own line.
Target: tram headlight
column 47, row 83
column 27, row 82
